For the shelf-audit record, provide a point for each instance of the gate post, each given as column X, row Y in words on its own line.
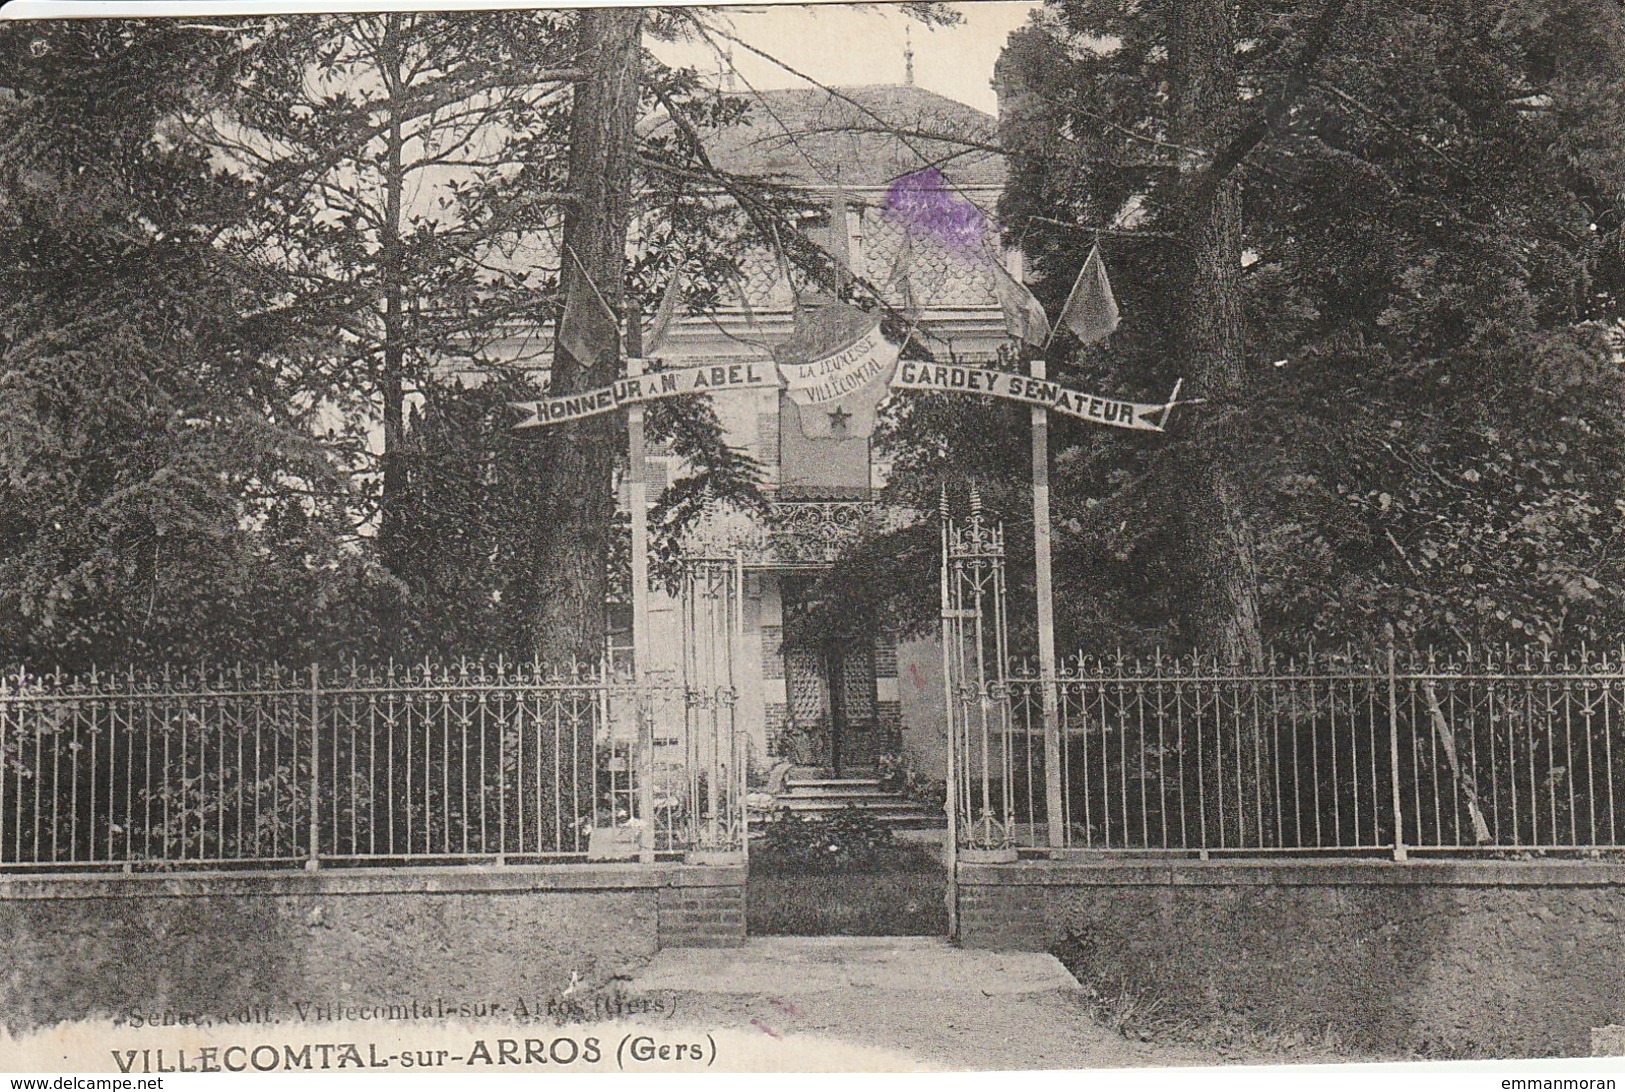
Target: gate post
column 637, row 500
column 951, row 800
column 1054, row 814
column 738, row 745
column 1393, row 751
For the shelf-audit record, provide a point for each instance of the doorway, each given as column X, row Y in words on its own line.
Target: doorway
column 830, row 689
column 846, row 856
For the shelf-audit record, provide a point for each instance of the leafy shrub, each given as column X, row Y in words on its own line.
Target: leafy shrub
column 850, row 839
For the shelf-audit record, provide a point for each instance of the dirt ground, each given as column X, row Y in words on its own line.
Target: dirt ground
column 921, row 1001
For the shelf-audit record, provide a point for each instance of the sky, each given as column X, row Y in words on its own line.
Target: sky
column 846, row 45
column 835, row 43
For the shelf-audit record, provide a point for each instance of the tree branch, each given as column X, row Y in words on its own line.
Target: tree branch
column 1207, row 183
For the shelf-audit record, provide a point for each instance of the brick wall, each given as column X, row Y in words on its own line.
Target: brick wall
column 709, row 915
column 772, row 652
column 1002, row 918
column 774, row 715
column 886, row 655
column 767, row 445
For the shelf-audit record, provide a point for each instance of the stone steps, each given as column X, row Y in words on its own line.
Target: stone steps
column 812, row 794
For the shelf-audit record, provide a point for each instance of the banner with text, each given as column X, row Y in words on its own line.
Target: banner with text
column 850, row 382
column 706, row 379
column 919, row 376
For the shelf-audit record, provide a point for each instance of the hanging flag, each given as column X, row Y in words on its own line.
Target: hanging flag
column 902, row 278
column 1091, row 310
column 839, row 244
column 665, row 313
column 835, row 368
column 1024, row 316
column 589, row 330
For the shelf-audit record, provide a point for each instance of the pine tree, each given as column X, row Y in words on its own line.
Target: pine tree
column 161, row 499
column 1413, row 409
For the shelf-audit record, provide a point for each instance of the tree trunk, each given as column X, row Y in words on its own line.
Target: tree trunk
column 574, row 550
column 1201, row 55
column 1224, row 609
column 391, row 381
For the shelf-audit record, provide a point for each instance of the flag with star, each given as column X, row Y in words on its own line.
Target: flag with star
column 836, row 367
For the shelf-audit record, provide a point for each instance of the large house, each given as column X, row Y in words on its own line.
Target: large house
column 870, row 700
column 842, row 707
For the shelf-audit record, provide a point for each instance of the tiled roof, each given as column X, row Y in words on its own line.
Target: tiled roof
column 793, row 135
column 810, row 137
column 942, row 277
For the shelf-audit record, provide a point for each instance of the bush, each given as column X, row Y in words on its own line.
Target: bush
column 850, row 839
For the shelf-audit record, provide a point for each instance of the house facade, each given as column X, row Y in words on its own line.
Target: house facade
column 867, row 698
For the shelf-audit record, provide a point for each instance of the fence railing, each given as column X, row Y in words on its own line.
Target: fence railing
column 358, row 765
column 1418, row 752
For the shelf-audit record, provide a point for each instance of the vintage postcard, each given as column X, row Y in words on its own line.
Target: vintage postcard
column 1030, row 534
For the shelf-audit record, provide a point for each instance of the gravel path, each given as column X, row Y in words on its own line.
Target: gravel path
column 795, row 1003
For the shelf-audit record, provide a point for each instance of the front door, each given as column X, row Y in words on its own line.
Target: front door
column 830, row 685
column 854, row 740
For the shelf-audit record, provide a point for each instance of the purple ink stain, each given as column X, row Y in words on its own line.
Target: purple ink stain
column 924, row 201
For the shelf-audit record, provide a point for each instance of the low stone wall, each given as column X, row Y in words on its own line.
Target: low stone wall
column 1502, row 958
column 491, row 939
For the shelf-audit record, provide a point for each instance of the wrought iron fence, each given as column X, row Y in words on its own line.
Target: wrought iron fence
column 273, row 766
column 1508, row 751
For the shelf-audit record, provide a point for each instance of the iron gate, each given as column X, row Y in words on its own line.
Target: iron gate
column 465, row 762
column 1389, row 750
column 975, row 650
column 707, row 763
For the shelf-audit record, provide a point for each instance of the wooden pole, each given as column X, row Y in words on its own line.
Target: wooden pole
column 950, row 635
column 1054, row 810
column 637, row 499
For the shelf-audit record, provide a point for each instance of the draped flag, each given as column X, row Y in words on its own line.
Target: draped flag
column 902, row 278
column 660, row 326
column 1091, row 309
column 836, row 368
column 588, row 330
column 1024, row 316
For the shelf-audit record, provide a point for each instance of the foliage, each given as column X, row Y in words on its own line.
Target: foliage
column 904, row 898
column 257, row 267
column 470, row 499
column 163, row 495
column 899, row 773
column 1433, row 257
column 801, row 742
column 850, row 839
column 400, row 165
column 414, row 209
